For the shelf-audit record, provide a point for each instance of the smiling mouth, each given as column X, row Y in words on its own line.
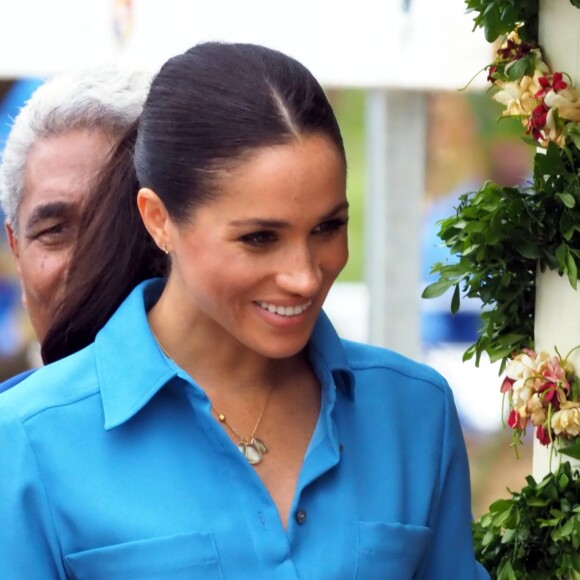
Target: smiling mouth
column 284, row 310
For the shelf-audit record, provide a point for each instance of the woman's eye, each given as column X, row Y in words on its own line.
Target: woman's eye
column 259, row 238
column 330, row 226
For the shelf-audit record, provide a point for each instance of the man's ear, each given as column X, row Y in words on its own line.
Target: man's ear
column 13, row 243
column 155, row 218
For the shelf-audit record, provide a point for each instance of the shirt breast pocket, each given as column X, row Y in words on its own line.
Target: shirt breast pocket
column 390, row 550
column 179, row 557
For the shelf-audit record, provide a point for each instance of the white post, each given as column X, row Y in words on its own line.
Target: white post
column 556, row 325
column 557, row 316
column 396, row 137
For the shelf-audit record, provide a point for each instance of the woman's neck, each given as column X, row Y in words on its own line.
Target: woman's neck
column 213, row 358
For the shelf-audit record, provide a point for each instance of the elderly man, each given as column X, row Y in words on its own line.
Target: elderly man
column 59, row 141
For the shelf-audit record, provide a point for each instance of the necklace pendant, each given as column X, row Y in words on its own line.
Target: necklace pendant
column 253, row 450
column 259, row 445
column 251, row 453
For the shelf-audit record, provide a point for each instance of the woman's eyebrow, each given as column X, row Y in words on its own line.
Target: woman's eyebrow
column 266, row 223
column 341, row 206
column 259, row 222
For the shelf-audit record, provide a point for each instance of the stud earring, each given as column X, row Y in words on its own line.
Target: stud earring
column 164, row 248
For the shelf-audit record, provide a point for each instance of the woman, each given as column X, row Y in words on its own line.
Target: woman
column 217, row 427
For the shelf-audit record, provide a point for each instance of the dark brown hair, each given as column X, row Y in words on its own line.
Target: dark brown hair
column 207, row 110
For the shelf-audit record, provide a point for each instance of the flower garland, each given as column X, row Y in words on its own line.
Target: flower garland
column 544, row 390
column 502, row 234
column 541, row 389
column 547, row 102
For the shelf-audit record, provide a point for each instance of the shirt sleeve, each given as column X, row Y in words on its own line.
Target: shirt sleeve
column 29, row 547
column 451, row 554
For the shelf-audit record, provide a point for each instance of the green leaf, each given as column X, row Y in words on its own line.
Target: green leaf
column 487, row 539
column 506, row 572
column 530, row 251
column 572, row 269
column 492, row 29
column 475, row 226
column 496, row 354
column 437, row 288
column 567, row 528
column 560, row 255
column 455, row 301
column 567, row 226
column 572, row 450
column 517, row 69
column 538, row 502
column 567, row 199
column 508, row 536
column 501, row 518
column 501, row 505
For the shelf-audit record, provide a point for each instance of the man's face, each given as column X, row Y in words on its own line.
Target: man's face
column 58, row 174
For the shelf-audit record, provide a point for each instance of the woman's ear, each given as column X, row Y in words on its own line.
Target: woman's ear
column 155, row 218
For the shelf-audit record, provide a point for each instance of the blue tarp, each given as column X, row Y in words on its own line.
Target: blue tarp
column 10, row 327
column 438, row 325
column 17, row 95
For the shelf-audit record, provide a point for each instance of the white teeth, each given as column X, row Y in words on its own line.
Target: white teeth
column 284, row 310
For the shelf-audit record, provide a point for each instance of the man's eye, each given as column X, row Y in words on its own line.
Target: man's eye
column 330, row 226
column 53, row 230
column 52, row 234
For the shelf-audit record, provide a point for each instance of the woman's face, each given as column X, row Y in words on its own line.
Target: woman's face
column 255, row 265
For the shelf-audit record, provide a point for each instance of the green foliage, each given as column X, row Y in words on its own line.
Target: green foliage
column 500, row 236
column 500, row 17
column 349, row 107
column 535, row 534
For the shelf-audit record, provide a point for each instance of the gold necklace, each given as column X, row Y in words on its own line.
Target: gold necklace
column 252, row 448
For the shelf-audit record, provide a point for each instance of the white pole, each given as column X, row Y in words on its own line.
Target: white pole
column 396, row 131
column 557, row 317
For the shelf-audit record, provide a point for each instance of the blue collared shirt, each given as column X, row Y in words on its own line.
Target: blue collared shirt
column 13, row 381
column 112, row 466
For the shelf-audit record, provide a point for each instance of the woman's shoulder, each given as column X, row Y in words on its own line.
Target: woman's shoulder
column 58, row 384
column 365, row 359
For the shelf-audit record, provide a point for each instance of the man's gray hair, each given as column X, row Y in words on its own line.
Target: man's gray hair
column 108, row 99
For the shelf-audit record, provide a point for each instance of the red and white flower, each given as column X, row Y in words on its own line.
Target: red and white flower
column 539, row 387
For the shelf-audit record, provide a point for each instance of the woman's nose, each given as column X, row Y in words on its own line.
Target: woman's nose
column 302, row 275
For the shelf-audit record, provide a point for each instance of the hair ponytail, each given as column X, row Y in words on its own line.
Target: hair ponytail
column 114, row 253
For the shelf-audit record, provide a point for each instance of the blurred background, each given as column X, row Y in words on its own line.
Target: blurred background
column 415, row 142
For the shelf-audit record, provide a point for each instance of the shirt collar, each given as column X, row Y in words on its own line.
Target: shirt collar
column 327, row 347
column 130, row 366
column 127, row 337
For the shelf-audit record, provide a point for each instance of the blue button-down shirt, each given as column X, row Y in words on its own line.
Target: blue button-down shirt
column 13, row 381
column 112, row 466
